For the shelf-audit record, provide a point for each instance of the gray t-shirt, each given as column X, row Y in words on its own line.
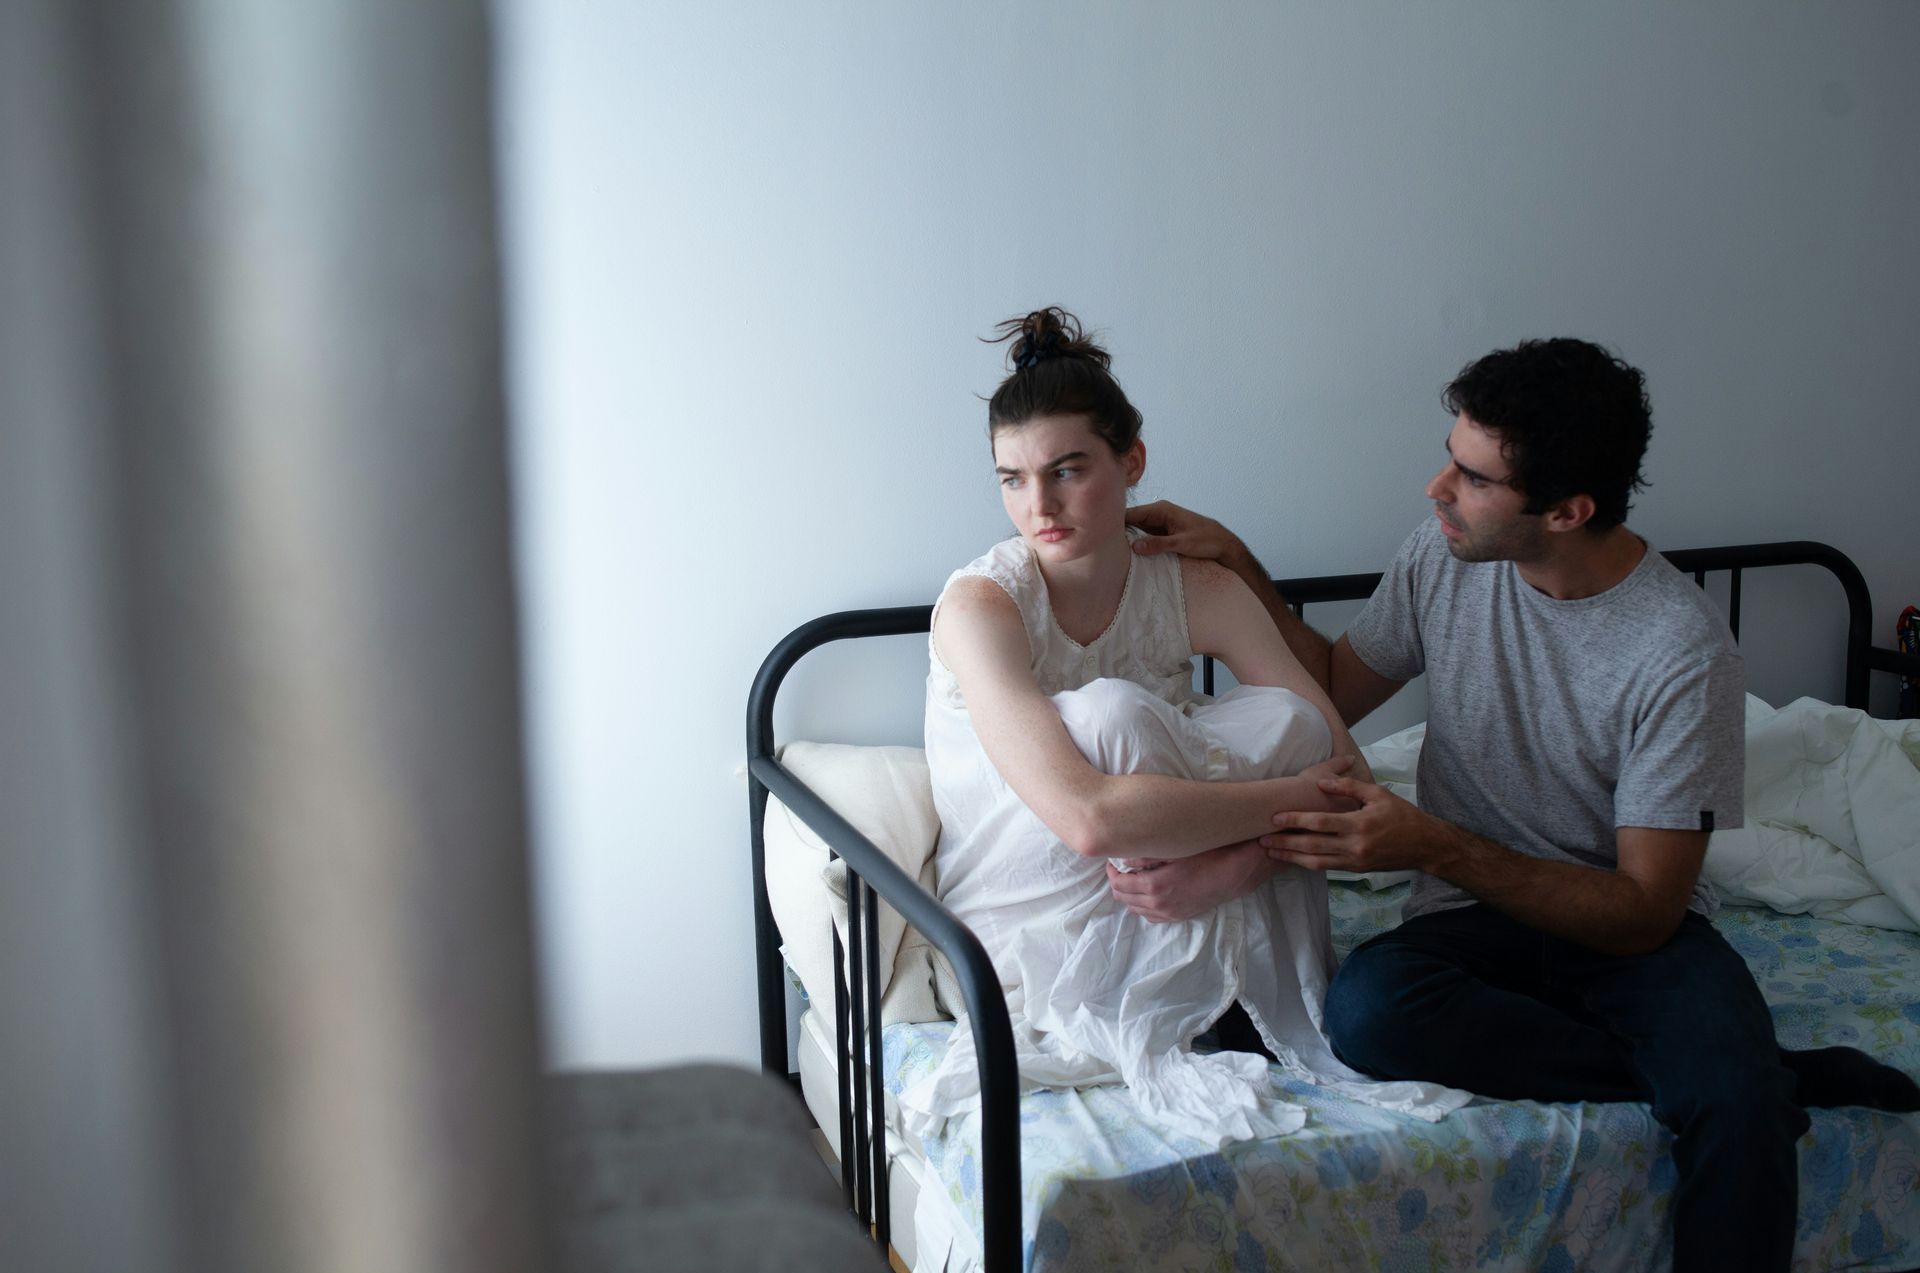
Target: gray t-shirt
column 1550, row 723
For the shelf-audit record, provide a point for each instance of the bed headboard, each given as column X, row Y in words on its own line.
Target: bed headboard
column 1862, row 656
column 874, row 876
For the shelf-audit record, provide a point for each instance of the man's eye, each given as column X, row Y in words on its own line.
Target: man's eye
column 1475, row 481
column 1064, row 473
column 1010, row 481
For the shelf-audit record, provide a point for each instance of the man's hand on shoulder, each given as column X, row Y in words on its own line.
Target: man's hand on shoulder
column 1173, row 529
column 1181, row 889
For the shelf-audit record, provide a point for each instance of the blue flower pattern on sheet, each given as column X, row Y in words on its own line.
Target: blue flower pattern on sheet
column 1412, row 1209
column 1498, row 1185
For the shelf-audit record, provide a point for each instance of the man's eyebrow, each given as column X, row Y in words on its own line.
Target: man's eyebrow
column 1474, row 473
column 1055, row 462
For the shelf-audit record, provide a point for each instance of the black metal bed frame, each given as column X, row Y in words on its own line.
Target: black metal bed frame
column 872, row 876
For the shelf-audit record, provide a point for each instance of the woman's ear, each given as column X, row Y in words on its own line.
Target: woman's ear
column 1135, row 461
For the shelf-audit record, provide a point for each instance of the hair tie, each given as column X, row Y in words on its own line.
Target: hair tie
column 1038, row 348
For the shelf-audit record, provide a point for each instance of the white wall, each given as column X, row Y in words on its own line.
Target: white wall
column 751, row 247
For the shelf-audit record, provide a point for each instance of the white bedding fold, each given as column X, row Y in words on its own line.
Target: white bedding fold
column 1833, row 817
column 1832, row 814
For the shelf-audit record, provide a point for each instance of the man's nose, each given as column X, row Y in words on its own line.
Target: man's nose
column 1439, row 489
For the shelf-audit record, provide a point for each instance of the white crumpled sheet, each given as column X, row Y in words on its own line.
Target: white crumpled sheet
column 1832, row 819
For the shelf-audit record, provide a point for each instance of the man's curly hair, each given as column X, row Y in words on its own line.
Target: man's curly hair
column 1572, row 419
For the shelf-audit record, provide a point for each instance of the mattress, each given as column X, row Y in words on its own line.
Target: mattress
column 820, row 1088
column 1498, row 1185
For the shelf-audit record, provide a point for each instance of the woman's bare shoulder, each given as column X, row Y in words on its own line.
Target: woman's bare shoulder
column 1209, row 582
column 974, row 613
column 976, row 596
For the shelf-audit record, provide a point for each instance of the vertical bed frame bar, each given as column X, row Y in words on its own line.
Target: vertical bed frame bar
column 850, row 1034
column 876, row 1093
column 840, row 1028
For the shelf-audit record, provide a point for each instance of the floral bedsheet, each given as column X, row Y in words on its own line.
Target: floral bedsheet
column 1497, row 1185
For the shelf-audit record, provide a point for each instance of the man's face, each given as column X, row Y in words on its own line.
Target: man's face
column 1477, row 503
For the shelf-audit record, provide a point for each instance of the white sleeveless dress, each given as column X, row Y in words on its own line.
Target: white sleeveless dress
column 1097, row 994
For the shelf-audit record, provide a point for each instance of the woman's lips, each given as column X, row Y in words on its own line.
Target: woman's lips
column 1053, row 534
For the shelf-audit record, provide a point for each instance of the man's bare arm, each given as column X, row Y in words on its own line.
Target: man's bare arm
column 1629, row 910
column 1354, row 688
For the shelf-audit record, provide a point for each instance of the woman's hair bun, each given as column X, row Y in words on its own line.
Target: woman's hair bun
column 1058, row 371
column 1048, row 333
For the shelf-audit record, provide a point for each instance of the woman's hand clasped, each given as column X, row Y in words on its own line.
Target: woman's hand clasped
column 1164, row 891
column 1183, row 888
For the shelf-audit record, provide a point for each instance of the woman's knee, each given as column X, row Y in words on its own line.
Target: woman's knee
column 1121, row 727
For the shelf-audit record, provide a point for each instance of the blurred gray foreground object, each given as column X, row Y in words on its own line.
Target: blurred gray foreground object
column 696, row 1168
column 267, row 1001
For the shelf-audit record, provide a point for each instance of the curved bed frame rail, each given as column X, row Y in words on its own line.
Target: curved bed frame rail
column 873, row 872
column 809, row 636
column 1863, row 657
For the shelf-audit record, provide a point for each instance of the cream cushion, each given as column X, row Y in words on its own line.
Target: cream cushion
column 884, row 792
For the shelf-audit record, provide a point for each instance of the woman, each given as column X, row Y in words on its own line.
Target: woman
column 1063, row 731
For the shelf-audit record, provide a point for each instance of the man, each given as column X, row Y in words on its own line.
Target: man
column 1584, row 736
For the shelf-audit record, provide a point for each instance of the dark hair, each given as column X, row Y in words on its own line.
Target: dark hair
column 1571, row 417
column 1058, row 371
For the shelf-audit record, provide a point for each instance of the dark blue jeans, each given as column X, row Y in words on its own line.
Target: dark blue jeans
column 1476, row 1000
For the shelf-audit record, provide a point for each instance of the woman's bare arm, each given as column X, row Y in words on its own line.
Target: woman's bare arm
column 1226, row 620
column 978, row 634
column 1353, row 688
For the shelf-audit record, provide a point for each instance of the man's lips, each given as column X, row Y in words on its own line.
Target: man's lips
column 1446, row 527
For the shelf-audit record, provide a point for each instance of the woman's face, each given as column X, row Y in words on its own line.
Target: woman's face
column 1063, row 487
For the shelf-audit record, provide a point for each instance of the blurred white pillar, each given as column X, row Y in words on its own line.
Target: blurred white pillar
column 265, row 958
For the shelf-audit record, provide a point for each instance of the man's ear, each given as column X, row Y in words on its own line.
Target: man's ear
column 1571, row 513
column 1134, row 461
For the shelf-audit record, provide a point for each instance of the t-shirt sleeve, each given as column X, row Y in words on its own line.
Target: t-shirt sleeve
column 1386, row 636
column 1686, row 770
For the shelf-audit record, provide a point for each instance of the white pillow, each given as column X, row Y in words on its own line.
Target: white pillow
column 885, row 793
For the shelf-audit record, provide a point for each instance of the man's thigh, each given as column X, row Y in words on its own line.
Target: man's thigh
column 1477, row 940
column 1460, row 997
column 1692, row 1000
